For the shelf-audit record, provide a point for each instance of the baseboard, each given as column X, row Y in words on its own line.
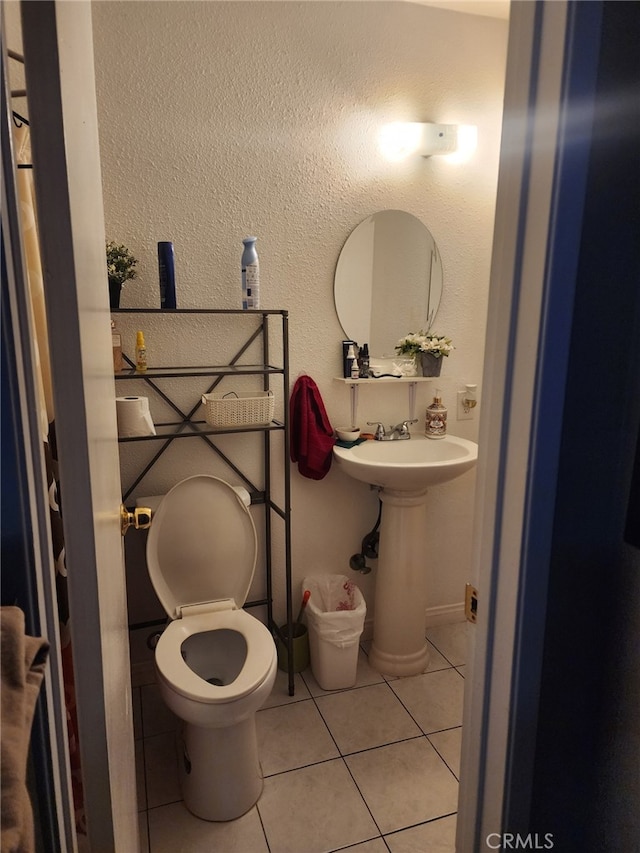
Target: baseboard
column 446, row 614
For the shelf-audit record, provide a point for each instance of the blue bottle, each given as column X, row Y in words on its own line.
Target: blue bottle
column 250, row 274
column 167, row 272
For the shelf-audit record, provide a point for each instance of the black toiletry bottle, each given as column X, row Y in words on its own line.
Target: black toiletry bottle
column 167, row 274
column 363, row 361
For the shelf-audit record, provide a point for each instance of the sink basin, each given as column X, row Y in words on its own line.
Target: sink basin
column 409, row 465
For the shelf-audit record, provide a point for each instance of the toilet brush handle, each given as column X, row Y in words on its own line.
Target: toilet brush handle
column 305, row 598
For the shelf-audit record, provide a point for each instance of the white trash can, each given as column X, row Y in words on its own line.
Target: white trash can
column 335, row 617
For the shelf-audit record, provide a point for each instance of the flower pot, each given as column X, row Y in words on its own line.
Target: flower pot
column 431, row 366
column 115, row 288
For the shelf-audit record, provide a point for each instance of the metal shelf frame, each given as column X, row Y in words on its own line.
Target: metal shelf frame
column 187, row 427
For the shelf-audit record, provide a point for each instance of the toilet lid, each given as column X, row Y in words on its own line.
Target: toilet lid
column 202, row 545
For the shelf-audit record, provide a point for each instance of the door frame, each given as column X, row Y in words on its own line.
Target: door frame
column 49, row 744
column 551, row 68
column 59, row 70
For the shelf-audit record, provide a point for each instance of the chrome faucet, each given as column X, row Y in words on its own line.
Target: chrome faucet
column 399, row 432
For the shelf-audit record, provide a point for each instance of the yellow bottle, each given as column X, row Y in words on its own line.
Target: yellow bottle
column 141, row 353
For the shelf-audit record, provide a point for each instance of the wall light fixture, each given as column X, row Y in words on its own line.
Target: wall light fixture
column 401, row 139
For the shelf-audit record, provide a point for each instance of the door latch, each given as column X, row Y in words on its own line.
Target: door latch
column 470, row 602
column 140, row 518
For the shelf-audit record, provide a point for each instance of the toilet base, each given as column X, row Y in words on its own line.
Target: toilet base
column 219, row 769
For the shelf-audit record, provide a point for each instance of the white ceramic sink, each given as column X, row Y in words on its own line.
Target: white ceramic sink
column 408, row 465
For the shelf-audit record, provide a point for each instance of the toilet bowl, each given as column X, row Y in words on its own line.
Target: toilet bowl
column 215, row 663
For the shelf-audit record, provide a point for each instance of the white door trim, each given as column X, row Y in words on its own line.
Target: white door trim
column 35, row 470
column 519, row 441
column 58, row 48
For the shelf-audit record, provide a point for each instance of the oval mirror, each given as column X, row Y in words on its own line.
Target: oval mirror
column 388, row 281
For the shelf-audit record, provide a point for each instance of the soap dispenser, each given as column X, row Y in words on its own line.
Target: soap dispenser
column 435, row 425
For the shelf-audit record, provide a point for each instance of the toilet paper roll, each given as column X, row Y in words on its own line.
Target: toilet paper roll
column 134, row 417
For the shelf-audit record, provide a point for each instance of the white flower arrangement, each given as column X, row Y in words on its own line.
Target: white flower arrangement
column 415, row 343
column 121, row 264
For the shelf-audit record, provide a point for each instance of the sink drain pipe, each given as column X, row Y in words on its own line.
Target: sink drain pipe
column 369, row 547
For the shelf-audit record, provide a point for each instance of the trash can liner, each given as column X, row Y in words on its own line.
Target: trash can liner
column 336, row 609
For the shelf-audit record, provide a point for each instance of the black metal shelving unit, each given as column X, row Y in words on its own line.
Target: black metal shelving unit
column 186, row 427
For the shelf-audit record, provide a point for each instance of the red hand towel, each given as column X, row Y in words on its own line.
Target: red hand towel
column 311, row 433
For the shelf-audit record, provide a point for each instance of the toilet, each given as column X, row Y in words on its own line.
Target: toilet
column 215, row 663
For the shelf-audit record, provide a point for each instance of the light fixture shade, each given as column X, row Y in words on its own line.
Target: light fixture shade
column 401, row 139
column 438, row 139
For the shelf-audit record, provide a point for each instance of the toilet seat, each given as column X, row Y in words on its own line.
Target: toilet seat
column 201, row 557
column 202, row 545
column 258, row 660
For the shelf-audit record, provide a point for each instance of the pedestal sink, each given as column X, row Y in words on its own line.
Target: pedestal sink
column 404, row 470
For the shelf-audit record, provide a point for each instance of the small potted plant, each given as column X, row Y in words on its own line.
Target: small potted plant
column 427, row 348
column 121, row 266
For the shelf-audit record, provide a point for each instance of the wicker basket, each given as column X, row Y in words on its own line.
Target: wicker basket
column 239, row 408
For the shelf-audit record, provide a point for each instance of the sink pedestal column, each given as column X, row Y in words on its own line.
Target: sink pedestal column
column 399, row 644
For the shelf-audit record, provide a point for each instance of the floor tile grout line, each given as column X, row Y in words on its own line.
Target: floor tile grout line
column 415, row 825
column 146, row 816
column 426, row 734
column 303, row 767
column 347, row 847
column 264, row 828
column 445, row 729
column 362, row 797
column 356, row 844
column 455, row 776
column 144, row 770
column 382, row 745
column 326, row 724
column 440, row 652
column 170, row 803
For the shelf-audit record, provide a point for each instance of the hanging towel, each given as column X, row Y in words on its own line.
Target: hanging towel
column 23, row 661
column 312, row 436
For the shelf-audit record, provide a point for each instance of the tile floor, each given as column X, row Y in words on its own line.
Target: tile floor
column 370, row 769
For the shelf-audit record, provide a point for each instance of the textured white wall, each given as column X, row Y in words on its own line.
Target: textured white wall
column 222, row 119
